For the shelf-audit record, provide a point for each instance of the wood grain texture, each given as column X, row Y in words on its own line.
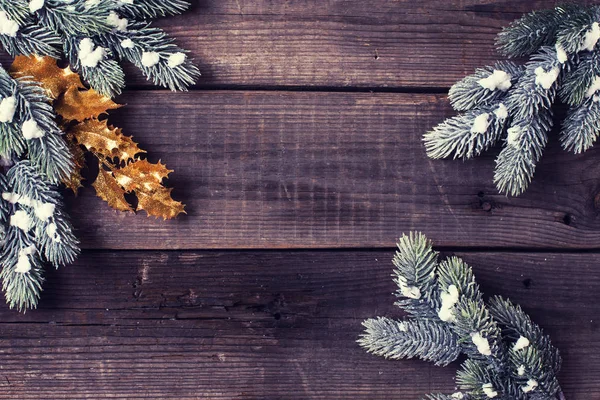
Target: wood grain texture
column 341, row 43
column 264, row 325
column 305, row 170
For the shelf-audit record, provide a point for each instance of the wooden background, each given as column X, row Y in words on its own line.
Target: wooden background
column 299, row 156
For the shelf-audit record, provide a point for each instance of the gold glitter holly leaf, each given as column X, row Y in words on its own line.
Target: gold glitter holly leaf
column 104, row 140
column 72, row 100
column 80, row 105
column 73, row 182
column 54, row 80
column 120, row 171
column 109, row 190
column 145, row 180
column 142, row 178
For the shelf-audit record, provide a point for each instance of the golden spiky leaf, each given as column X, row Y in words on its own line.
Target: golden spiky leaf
column 142, row 175
column 73, row 182
column 54, row 79
column 145, row 180
column 80, row 108
column 100, row 138
column 79, row 105
column 109, row 190
column 159, row 203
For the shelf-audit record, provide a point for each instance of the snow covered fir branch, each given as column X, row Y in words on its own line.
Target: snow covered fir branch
column 94, row 35
column 34, row 159
column 512, row 104
column 506, row 355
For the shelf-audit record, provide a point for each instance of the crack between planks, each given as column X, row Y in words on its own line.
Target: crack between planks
column 447, row 249
column 298, row 88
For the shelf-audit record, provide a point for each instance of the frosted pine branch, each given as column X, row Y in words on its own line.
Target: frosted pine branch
column 508, row 357
column 512, row 105
column 34, row 158
column 96, row 35
column 424, row 339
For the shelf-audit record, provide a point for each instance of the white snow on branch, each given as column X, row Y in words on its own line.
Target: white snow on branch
column 501, row 112
column 412, row 292
column 31, row 130
column 481, row 123
column 176, row 59
column 127, row 44
column 482, row 344
column 8, row 27
column 91, row 3
column 51, row 232
column 12, row 198
column 521, row 344
column 21, row 220
column 43, row 210
column 23, row 264
column 497, row 80
column 521, row 370
column 561, row 54
column 150, row 58
column 531, row 385
column 8, row 106
column 119, row 23
column 546, row 79
column 35, row 5
column 449, row 300
column 89, row 54
column 591, row 38
column 489, row 391
column 514, row 135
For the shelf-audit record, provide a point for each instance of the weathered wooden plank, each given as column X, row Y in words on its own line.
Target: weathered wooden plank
column 379, row 44
column 296, row 169
column 266, row 325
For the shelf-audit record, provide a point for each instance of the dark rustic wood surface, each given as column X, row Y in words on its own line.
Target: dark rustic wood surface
column 299, row 156
column 268, row 324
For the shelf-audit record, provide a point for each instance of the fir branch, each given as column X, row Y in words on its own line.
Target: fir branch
column 415, row 263
column 516, row 163
column 573, row 33
column 37, row 232
column 75, row 18
column 500, row 362
column 106, row 76
column 526, row 35
column 92, row 35
column 581, row 127
column 53, row 232
column 467, row 135
column 516, row 324
column 22, row 290
column 32, row 40
column 564, row 58
column 142, row 9
column 579, row 82
column 154, row 53
column 486, row 86
column 424, row 339
column 529, row 106
column 34, row 227
column 454, row 396
column 15, row 10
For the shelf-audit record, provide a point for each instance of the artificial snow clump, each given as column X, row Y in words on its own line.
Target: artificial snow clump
column 499, row 80
column 8, row 106
column 506, row 355
column 564, row 63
